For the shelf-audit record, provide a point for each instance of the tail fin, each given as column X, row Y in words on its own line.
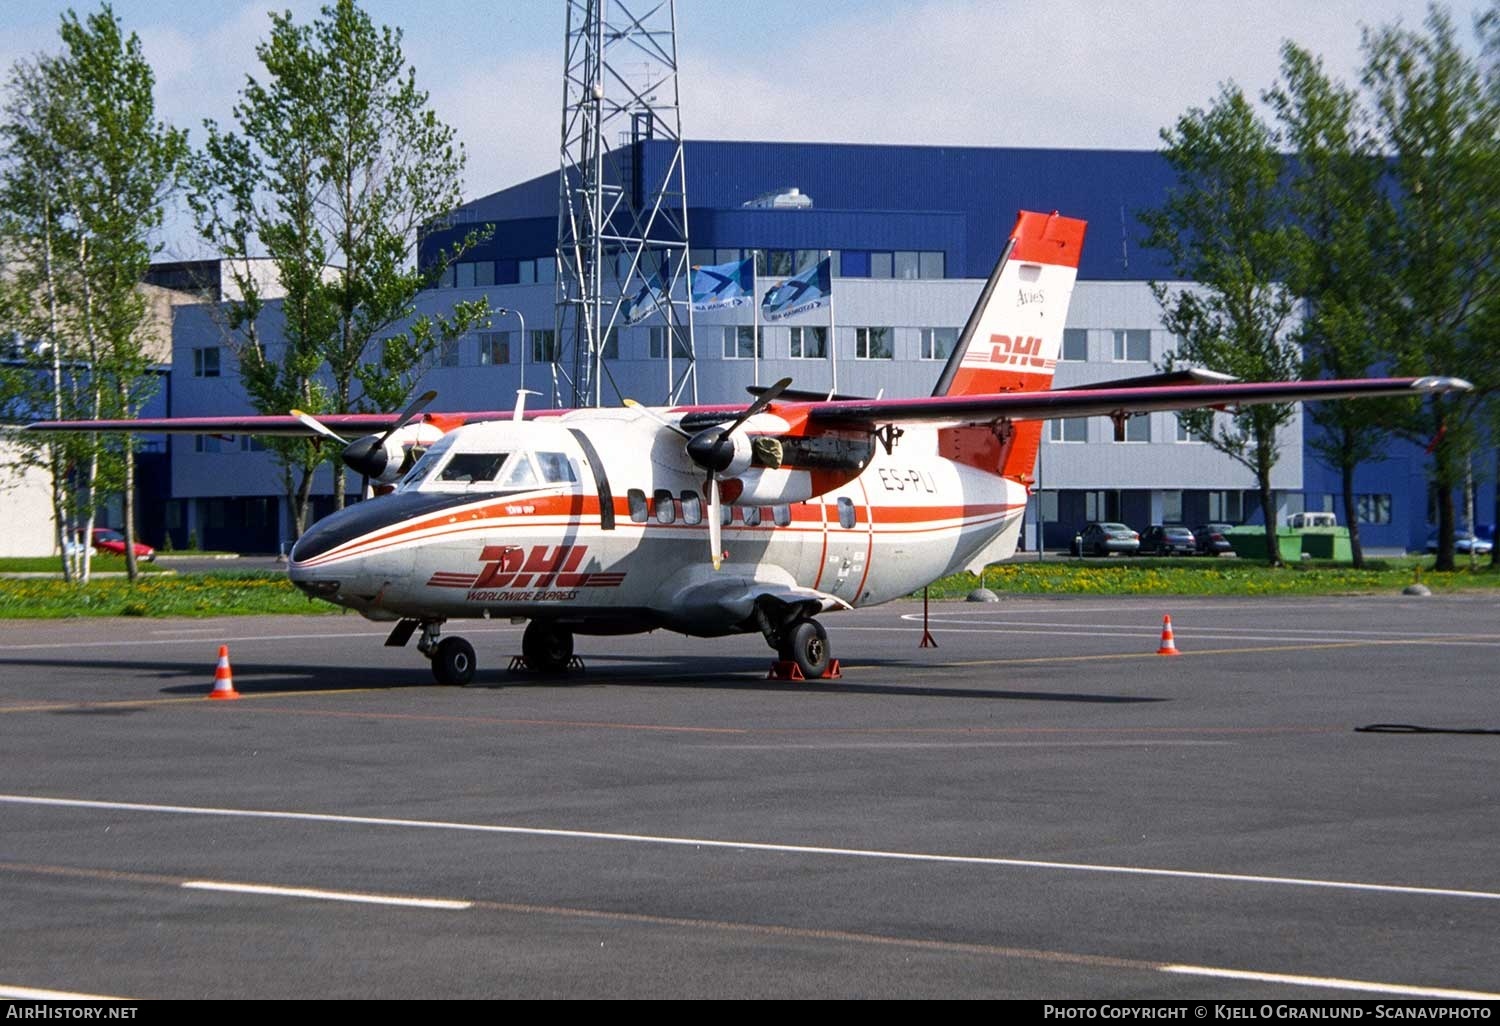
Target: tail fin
column 1014, row 334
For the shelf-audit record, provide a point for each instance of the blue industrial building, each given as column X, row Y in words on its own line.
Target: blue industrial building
column 914, row 231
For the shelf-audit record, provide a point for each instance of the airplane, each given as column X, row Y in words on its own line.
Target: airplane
column 596, row 521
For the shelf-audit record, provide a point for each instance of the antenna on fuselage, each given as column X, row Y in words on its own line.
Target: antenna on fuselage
column 521, row 394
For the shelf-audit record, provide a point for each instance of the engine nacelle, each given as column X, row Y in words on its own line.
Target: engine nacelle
column 387, row 462
column 727, row 457
column 762, row 486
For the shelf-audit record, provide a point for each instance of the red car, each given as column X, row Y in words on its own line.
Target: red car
column 108, row 541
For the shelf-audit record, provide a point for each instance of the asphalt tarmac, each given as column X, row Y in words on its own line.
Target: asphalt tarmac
column 1041, row 806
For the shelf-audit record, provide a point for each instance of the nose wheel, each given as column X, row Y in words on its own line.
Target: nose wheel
column 453, row 662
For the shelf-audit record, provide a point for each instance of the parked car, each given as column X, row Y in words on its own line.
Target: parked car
column 109, row 542
column 1481, row 541
column 1106, row 539
column 1213, row 539
column 1168, row 540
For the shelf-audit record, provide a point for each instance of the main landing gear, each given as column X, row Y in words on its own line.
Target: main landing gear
column 800, row 642
column 546, row 647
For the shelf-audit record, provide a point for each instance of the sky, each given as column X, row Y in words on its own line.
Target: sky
column 1061, row 73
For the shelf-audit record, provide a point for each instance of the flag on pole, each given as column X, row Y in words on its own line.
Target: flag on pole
column 643, row 304
column 723, row 285
column 808, row 290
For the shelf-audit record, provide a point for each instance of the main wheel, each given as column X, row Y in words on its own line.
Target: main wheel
column 806, row 644
column 546, row 647
column 453, row 662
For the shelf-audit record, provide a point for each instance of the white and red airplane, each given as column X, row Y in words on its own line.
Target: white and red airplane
column 718, row 520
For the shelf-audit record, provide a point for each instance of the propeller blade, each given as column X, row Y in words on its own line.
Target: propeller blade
column 654, row 415
column 715, row 524
column 312, row 423
column 763, row 400
column 407, row 415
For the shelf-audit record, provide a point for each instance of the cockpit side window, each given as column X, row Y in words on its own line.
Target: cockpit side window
column 522, row 473
column 555, row 468
column 424, row 466
column 473, row 467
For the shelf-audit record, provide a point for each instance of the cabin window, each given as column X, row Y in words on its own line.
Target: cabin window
column 782, row 515
column 692, row 508
column 751, row 516
column 430, row 459
column 636, row 500
column 846, row 512
column 666, row 508
column 522, row 474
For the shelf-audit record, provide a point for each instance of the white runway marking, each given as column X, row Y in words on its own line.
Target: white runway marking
column 10, row 993
column 968, row 744
column 787, row 849
column 1332, row 983
column 322, row 895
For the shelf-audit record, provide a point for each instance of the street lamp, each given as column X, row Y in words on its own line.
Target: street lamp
column 507, row 310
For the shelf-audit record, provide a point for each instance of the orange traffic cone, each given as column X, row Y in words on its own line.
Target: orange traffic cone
column 1168, row 646
column 223, row 680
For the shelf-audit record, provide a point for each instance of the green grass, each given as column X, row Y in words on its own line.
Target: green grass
column 1188, row 576
column 241, row 593
column 53, row 565
column 207, row 594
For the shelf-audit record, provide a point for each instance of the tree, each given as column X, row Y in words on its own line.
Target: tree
column 88, row 173
column 337, row 167
column 1343, row 238
column 1226, row 230
column 1438, row 117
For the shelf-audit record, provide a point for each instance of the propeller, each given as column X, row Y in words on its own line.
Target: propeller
column 713, row 450
column 367, row 456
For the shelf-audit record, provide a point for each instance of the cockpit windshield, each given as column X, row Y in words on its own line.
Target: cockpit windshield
column 442, row 469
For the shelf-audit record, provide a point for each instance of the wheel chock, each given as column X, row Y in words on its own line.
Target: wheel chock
column 787, row 669
column 518, row 664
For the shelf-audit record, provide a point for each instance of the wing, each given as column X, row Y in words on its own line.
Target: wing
column 283, row 426
column 1101, row 401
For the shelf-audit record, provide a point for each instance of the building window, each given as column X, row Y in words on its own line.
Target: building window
column 1072, row 429
column 611, row 346
column 448, row 353
column 1171, row 507
column 1186, row 434
column 938, row 343
column 206, row 362
column 207, row 443
column 774, row 263
column 543, row 345
column 252, row 443
column 1373, row 509
column 905, row 265
column 880, row 265
column 739, row 342
column 658, row 348
column 809, row 343
column 874, row 344
column 1137, row 428
column 1225, row 507
column 1132, row 346
column 1075, row 345
column 932, row 264
column 494, row 348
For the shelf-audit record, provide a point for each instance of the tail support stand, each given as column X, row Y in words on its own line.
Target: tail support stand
column 928, row 641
